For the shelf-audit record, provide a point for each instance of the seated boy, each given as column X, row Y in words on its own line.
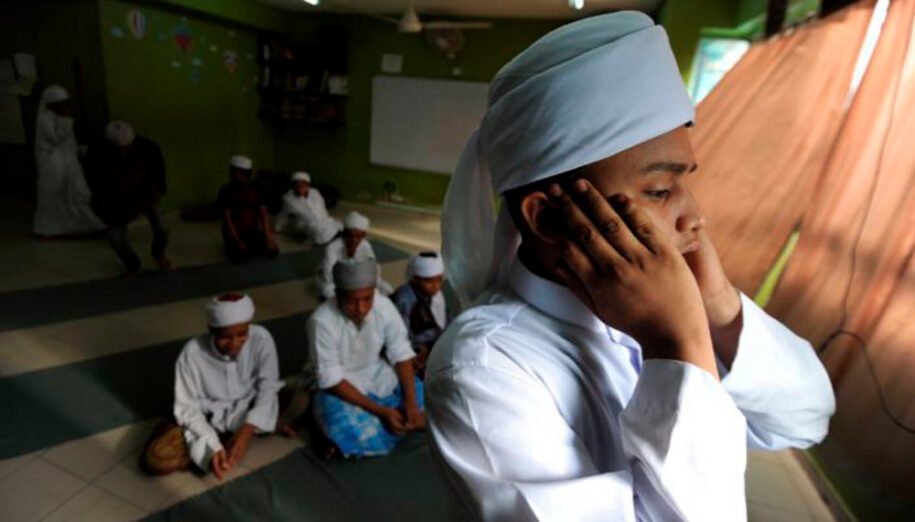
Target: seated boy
column 304, row 213
column 422, row 305
column 226, row 385
column 246, row 226
column 351, row 245
column 368, row 394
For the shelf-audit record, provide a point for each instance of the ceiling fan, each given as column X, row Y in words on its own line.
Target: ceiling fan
column 410, row 23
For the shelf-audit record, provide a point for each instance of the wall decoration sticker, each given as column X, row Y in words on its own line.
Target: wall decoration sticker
column 136, row 22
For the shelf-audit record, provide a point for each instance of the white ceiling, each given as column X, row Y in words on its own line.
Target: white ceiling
column 469, row 8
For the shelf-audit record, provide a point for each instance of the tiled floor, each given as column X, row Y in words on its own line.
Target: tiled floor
column 97, row 478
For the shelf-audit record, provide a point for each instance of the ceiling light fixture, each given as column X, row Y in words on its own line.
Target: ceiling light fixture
column 312, row 2
column 577, row 4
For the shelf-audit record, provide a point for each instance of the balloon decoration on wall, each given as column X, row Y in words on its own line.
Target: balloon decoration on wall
column 230, row 60
column 183, row 37
column 136, row 22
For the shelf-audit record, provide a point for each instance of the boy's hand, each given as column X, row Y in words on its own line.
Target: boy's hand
column 415, row 419
column 238, row 445
column 722, row 302
column 393, row 420
column 631, row 276
column 220, row 464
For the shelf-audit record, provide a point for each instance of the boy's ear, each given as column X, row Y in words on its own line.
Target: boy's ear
column 541, row 217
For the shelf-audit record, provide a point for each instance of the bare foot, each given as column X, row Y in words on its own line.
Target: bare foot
column 163, row 263
column 285, row 429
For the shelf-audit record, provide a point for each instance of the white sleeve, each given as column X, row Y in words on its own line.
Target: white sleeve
column 325, row 352
column 189, row 412
column 54, row 131
column 264, row 410
column 511, row 456
column 325, row 275
column 778, row 383
column 282, row 218
column 396, row 340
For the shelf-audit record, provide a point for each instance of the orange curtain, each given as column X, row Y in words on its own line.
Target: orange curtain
column 850, row 284
column 764, row 134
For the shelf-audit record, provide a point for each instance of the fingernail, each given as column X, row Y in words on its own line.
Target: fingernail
column 554, row 191
column 581, row 186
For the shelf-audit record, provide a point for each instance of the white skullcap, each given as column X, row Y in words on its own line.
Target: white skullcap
column 350, row 274
column 356, row 221
column 54, row 94
column 241, row 162
column 301, row 176
column 228, row 309
column 425, row 264
column 600, row 85
column 119, row 133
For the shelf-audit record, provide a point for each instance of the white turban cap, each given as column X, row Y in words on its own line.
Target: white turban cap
column 228, row 309
column 54, row 94
column 301, row 176
column 581, row 93
column 350, row 274
column 241, row 162
column 425, row 264
column 119, row 133
column 356, row 221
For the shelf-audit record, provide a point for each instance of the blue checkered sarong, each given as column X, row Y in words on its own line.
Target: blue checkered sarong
column 356, row 432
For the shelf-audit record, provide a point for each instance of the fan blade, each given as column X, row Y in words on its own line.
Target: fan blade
column 444, row 24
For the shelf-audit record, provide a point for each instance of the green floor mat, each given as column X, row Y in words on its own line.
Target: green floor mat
column 46, row 305
column 404, row 486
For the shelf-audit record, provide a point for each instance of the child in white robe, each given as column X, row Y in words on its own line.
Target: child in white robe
column 351, row 245
column 304, row 213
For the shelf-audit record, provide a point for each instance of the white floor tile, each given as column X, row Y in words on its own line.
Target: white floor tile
column 127, row 481
column 90, row 457
column 95, row 505
column 12, row 465
column 265, row 450
column 36, row 490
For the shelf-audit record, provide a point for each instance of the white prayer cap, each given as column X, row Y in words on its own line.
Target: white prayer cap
column 54, row 94
column 356, row 221
column 241, row 162
column 425, row 264
column 350, row 274
column 229, row 309
column 582, row 93
column 119, row 133
column 301, row 176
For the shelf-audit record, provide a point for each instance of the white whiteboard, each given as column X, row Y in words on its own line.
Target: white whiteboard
column 423, row 124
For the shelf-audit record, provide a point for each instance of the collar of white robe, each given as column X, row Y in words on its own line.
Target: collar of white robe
column 582, row 93
column 229, row 309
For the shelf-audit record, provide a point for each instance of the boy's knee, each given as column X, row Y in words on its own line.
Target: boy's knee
column 166, row 451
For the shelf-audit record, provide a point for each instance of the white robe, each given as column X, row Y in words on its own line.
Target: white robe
column 308, row 216
column 339, row 350
column 63, row 195
column 215, row 394
column 539, row 411
column 335, row 251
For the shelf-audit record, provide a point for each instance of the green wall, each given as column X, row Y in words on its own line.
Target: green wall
column 197, row 109
column 64, row 37
column 341, row 155
column 684, row 21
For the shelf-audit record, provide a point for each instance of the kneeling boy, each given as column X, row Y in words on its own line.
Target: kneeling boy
column 368, row 394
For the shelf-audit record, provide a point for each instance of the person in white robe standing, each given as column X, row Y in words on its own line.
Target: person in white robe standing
column 304, row 213
column 607, row 369
column 352, row 244
column 226, row 391
column 64, row 198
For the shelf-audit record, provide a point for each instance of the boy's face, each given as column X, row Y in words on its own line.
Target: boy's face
column 652, row 175
column 351, row 238
column 428, row 286
column 241, row 176
column 301, row 188
column 229, row 340
column 356, row 304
